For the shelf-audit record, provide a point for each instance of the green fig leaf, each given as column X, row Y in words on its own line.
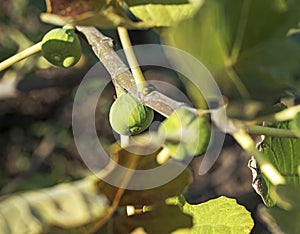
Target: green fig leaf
column 162, row 2
column 251, row 62
column 67, row 205
column 283, row 218
column 295, row 125
column 283, row 153
column 163, row 15
column 220, row 215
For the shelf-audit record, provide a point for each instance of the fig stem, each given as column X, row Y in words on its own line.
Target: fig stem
column 124, row 140
column 132, row 60
column 269, row 131
column 21, row 55
column 284, row 115
column 163, row 156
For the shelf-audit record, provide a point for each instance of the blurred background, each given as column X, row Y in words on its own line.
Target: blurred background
column 36, row 144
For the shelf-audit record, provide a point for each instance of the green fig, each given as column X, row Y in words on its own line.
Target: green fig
column 186, row 134
column 128, row 116
column 61, row 47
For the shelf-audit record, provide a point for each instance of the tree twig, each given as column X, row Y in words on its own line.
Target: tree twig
column 20, row 56
column 103, row 49
column 243, row 138
column 274, row 132
column 284, row 115
column 132, row 60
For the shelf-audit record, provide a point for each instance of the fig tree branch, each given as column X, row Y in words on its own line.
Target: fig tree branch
column 274, row 132
column 132, row 61
column 103, row 48
column 120, row 74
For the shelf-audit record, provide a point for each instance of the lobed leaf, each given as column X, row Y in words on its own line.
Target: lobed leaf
column 65, row 206
column 221, row 215
column 284, row 218
column 295, row 125
column 284, row 154
column 163, row 15
column 145, row 2
column 250, row 60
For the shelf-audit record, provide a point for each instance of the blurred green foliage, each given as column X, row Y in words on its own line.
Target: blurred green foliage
column 36, row 144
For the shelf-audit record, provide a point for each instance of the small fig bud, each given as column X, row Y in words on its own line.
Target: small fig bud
column 61, row 47
column 128, row 116
column 186, row 134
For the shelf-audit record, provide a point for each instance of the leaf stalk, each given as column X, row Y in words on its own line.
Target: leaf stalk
column 21, row 55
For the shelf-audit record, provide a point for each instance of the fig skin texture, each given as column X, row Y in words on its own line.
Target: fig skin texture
column 128, row 116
